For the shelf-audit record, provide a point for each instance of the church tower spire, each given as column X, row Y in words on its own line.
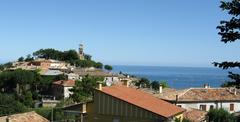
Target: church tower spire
column 81, row 53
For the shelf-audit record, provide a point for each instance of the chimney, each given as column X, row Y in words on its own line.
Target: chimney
column 176, row 99
column 160, row 89
column 100, row 85
column 206, row 86
column 126, row 83
column 235, row 91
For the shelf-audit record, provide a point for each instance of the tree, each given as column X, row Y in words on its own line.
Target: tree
column 183, row 120
column 108, row 67
column 49, row 54
column 9, row 105
column 83, row 89
column 70, row 55
column 29, row 58
column 155, row 85
column 143, row 83
column 229, row 31
column 98, row 65
column 220, row 115
column 21, row 59
column 27, row 99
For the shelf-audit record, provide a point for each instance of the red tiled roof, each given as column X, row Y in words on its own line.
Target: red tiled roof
column 195, row 115
column 24, row 117
column 143, row 100
column 210, row 94
column 65, row 82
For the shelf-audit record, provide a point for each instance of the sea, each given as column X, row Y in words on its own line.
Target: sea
column 178, row 77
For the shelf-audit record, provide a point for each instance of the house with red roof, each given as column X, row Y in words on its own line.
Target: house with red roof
column 120, row 103
column 61, row 88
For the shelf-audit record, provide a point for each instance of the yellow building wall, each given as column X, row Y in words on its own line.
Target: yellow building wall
column 106, row 108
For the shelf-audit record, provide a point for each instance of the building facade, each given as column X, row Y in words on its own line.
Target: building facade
column 123, row 104
column 61, row 89
column 204, row 98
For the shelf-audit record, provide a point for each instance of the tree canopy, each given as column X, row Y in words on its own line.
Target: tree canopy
column 83, row 89
column 9, row 105
column 70, row 56
column 108, row 67
column 229, row 30
column 220, row 115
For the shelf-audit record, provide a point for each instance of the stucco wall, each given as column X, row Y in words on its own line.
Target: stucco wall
column 225, row 105
column 106, row 108
column 67, row 92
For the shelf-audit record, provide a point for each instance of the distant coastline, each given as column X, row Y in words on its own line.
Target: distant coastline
column 178, row 77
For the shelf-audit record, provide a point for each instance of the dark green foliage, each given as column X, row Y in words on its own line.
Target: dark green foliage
column 229, row 31
column 87, row 57
column 10, row 79
column 27, row 80
column 98, row 65
column 27, row 99
column 49, row 54
column 108, row 67
column 1, row 67
column 184, row 120
column 9, row 105
column 155, row 85
column 21, row 59
column 6, row 65
column 143, row 83
column 70, row 56
column 83, row 90
column 29, row 58
column 45, row 112
column 164, row 84
column 220, row 115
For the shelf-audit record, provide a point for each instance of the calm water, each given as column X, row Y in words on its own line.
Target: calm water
column 178, row 77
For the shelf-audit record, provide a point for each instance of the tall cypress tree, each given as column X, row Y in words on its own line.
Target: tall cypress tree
column 229, row 30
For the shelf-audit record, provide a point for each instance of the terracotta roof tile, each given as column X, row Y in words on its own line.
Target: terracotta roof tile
column 143, row 100
column 195, row 115
column 201, row 94
column 24, row 117
column 65, row 83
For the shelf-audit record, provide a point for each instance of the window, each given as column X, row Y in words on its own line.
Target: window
column 211, row 107
column 231, row 107
column 203, row 107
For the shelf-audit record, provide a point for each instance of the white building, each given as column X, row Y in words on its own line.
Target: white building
column 55, row 64
column 73, row 76
column 203, row 98
column 61, row 89
column 108, row 76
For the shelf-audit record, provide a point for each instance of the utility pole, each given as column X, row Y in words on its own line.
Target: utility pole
column 52, row 115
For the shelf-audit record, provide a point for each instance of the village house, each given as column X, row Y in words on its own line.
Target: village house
column 120, row 103
column 195, row 115
column 203, row 98
column 108, row 76
column 24, row 117
column 61, row 88
column 58, row 65
column 40, row 63
column 73, row 76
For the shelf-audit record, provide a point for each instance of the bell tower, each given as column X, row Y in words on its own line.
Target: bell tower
column 80, row 51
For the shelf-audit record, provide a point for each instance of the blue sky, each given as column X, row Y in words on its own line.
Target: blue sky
column 126, row 32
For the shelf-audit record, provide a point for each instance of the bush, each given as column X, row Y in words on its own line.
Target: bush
column 220, row 115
